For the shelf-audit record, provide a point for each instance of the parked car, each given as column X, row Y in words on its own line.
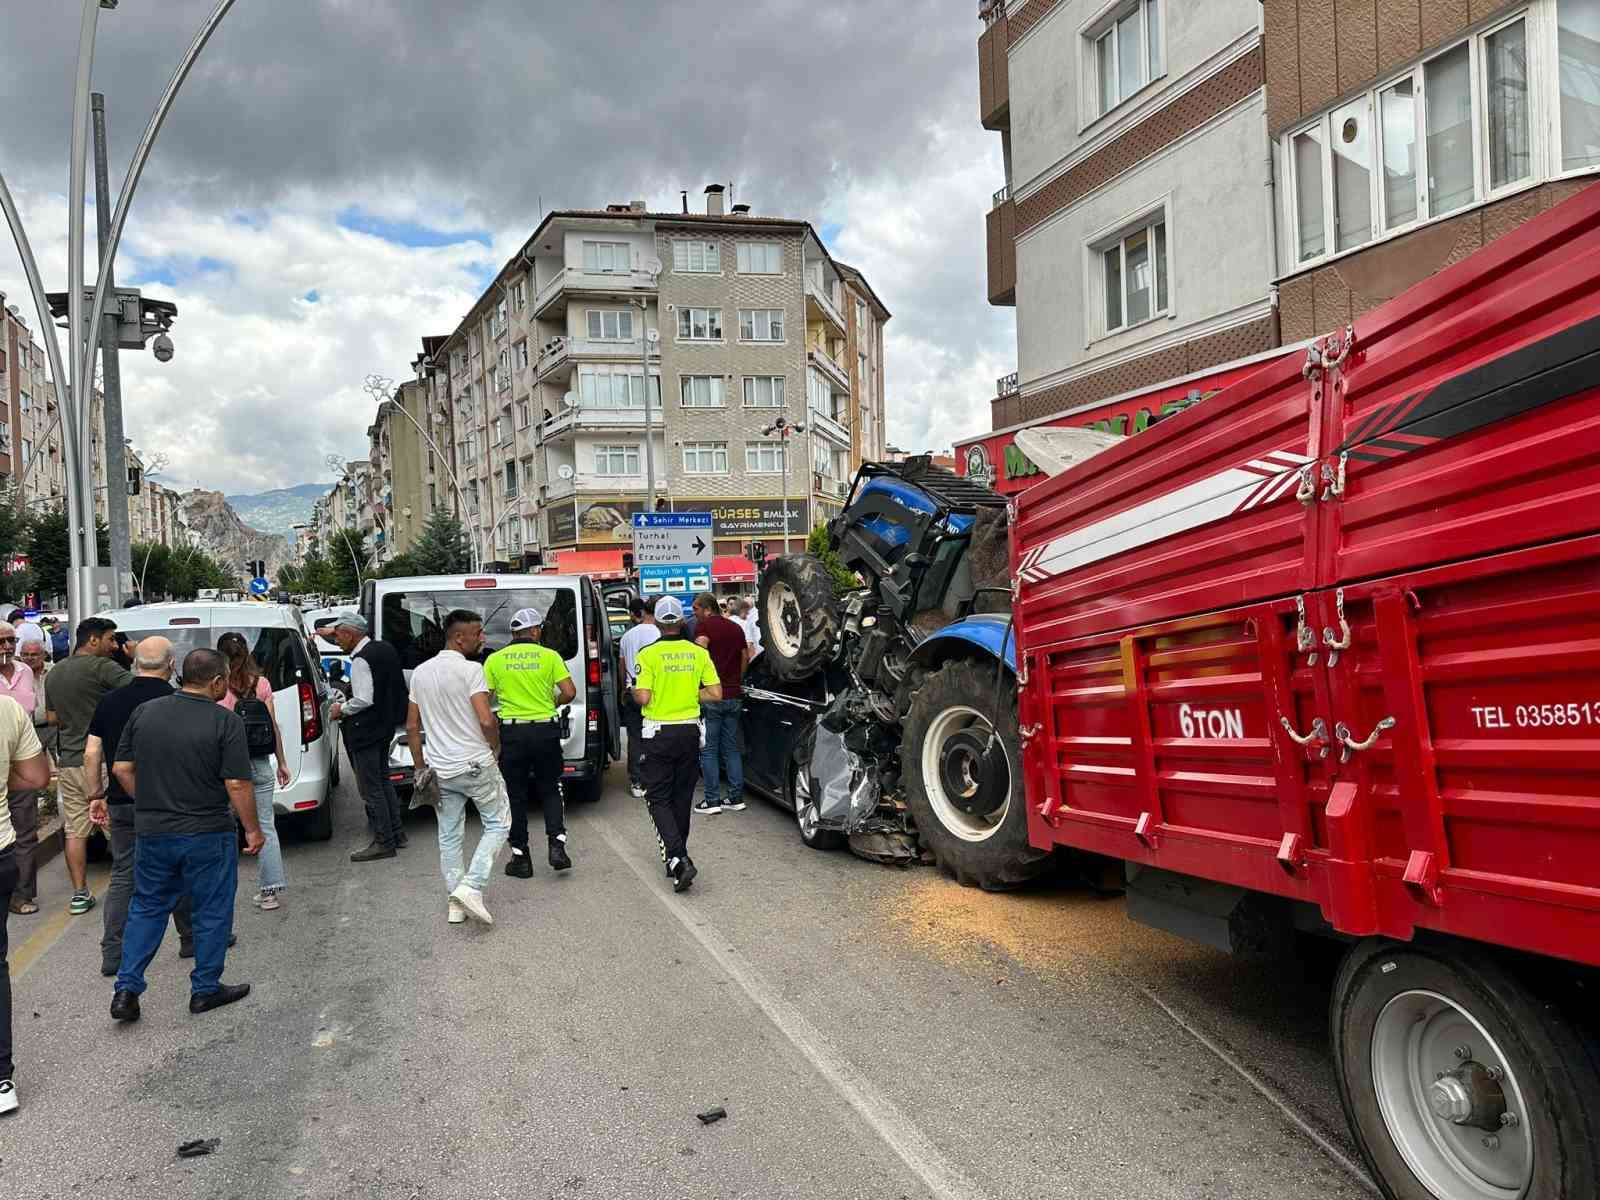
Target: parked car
column 277, row 640
column 778, row 721
column 335, row 662
column 409, row 614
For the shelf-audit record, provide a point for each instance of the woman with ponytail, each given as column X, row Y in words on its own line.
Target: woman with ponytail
column 250, row 695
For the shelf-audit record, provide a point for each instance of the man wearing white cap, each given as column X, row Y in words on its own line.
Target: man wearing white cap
column 530, row 680
column 675, row 676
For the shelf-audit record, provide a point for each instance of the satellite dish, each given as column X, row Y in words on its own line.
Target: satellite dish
column 653, row 266
column 565, row 471
column 653, row 336
column 570, row 400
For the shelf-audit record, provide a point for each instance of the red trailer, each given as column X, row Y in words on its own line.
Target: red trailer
column 1325, row 654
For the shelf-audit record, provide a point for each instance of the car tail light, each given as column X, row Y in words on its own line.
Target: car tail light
column 299, row 804
column 310, row 715
column 594, row 672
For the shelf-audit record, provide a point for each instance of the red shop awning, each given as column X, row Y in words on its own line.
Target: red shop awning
column 728, row 568
column 603, row 564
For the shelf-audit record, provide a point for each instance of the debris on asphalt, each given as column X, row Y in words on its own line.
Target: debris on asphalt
column 712, row 1116
column 198, row 1147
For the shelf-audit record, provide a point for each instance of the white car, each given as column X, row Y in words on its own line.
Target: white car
column 409, row 614
column 278, row 641
column 335, row 662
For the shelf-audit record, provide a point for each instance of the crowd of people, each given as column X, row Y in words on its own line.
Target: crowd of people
column 174, row 761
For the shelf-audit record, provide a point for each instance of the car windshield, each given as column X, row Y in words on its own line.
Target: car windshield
column 413, row 622
column 279, row 652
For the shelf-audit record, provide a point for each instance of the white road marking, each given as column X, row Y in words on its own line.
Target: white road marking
column 941, row 1177
column 1267, row 1093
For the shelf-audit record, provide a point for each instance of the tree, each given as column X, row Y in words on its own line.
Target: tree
column 441, row 547
column 47, row 546
column 818, row 545
column 347, row 548
column 401, row 565
column 14, row 540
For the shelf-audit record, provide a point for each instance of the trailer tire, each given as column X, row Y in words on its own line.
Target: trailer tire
column 974, row 824
column 1400, row 1015
column 799, row 615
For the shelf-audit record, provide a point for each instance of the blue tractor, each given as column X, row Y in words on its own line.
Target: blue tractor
column 920, row 661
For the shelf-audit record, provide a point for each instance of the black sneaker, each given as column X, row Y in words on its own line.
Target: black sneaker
column 684, row 875
column 125, row 1007
column 519, row 865
column 734, row 805
column 373, row 852
column 706, row 808
column 559, row 858
column 226, row 993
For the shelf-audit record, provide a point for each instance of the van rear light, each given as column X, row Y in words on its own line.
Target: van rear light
column 594, row 672
column 487, row 582
column 184, row 621
column 310, row 714
column 299, row 804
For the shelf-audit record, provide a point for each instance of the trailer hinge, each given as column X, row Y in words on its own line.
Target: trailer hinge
column 1305, row 639
column 1317, row 737
column 1342, row 642
column 1422, row 876
column 1353, row 747
column 1026, row 733
column 1144, row 830
column 1333, row 477
column 1329, row 353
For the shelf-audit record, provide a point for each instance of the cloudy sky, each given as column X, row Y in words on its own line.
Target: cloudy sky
column 340, row 177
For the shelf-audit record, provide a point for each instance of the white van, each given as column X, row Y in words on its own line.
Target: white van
column 278, row 641
column 409, row 614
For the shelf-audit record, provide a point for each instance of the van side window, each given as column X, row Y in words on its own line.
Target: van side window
column 413, row 622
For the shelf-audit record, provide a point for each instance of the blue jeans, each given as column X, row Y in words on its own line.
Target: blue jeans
column 203, row 866
column 270, row 875
column 482, row 789
column 722, row 746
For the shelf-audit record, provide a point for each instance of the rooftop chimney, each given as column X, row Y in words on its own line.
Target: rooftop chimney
column 686, row 200
column 741, row 210
column 636, row 206
column 714, row 199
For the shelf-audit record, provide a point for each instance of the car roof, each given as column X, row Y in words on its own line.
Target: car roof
column 456, row 583
column 241, row 614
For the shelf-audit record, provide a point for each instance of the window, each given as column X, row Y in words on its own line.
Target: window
column 763, row 391
column 1127, row 52
column 1578, row 52
column 522, row 356
column 610, row 324
column 1134, row 275
column 764, row 457
column 26, row 401
column 527, row 472
column 616, row 387
column 413, row 622
column 700, row 324
column 505, row 360
column 27, row 450
column 522, row 420
column 1455, row 130
column 607, row 258
column 705, row 458
column 433, row 496
column 616, row 460
column 500, row 431
column 761, row 324
column 702, row 391
column 822, row 459
column 760, row 258
column 697, row 257
column 511, row 480
column 519, row 294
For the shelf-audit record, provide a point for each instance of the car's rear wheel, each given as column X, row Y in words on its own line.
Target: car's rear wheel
column 805, row 811
column 799, row 615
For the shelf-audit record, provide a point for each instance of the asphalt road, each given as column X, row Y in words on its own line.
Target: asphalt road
column 871, row 1033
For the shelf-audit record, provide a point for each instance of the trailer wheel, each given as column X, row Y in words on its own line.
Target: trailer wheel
column 799, row 615
column 1459, row 1083
column 962, row 764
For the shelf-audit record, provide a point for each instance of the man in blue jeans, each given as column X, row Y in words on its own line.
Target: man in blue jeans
column 725, row 641
column 184, row 760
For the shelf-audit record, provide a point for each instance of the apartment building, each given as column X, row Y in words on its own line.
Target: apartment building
column 28, row 417
column 1406, row 136
column 1133, row 231
column 399, row 462
column 540, row 393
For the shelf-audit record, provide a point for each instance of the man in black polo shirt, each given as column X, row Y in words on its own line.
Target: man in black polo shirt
column 184, row 760
column 111, row 808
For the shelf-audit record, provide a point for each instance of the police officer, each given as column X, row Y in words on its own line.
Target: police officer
column 530, row 680
column 675, row 675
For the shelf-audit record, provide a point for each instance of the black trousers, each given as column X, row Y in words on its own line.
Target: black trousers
column 384, row 814
column 670, row 767
column 632, row 720
column 8, row 884
column 530, row 763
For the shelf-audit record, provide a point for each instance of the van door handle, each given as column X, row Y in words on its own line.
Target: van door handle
column 1351, row 747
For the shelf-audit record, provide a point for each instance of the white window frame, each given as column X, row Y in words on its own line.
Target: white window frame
column 1094, row 271
column 522, row 356
column 524, row 415
column 608, row 454
column 778, row 450
column 697, row 450
column 776, row 387
column 1544, row 133
column 771, row 258
column 509, row 479
column 763, row 318
column 589, row 314
column 716, row 397
column 686, row 251
column 607, row 403
column 611, row 250
column 686, row 320
column 1104, row 24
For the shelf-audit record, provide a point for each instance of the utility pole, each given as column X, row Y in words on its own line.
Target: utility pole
column 116, row 454
column 649, row 431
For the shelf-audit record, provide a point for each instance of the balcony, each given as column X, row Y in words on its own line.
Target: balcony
column 835, row 429
column 994, row 68
column 1001, row 235
column 834, row 373
column 561, row 351
column 820, row 302
column 552, row 296
column 594, row 417
column 1005, row 385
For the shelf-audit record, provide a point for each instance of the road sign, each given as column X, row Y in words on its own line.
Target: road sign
column 259, row 586
column 668, row 539
column 683, row 580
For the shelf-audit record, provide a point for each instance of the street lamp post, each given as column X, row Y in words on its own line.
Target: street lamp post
column 649, row 425
column 785, row 429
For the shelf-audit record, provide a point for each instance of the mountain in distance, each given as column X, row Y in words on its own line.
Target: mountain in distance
column 281, row 509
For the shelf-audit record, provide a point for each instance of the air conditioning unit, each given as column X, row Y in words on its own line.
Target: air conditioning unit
column 816, row 481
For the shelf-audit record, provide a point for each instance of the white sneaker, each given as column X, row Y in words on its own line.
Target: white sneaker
column 471, row 899
column 456, row 915
column 638, row 792
column 8, row 1097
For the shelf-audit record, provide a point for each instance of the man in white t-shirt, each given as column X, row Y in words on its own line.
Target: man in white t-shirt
column 640, row 634
column 450, row 703
column 744, row 612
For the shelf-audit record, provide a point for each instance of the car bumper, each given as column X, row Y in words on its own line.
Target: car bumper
column 309, row 789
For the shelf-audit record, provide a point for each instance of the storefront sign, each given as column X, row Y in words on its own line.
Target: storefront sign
column 741, row 518
column 562, row 524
